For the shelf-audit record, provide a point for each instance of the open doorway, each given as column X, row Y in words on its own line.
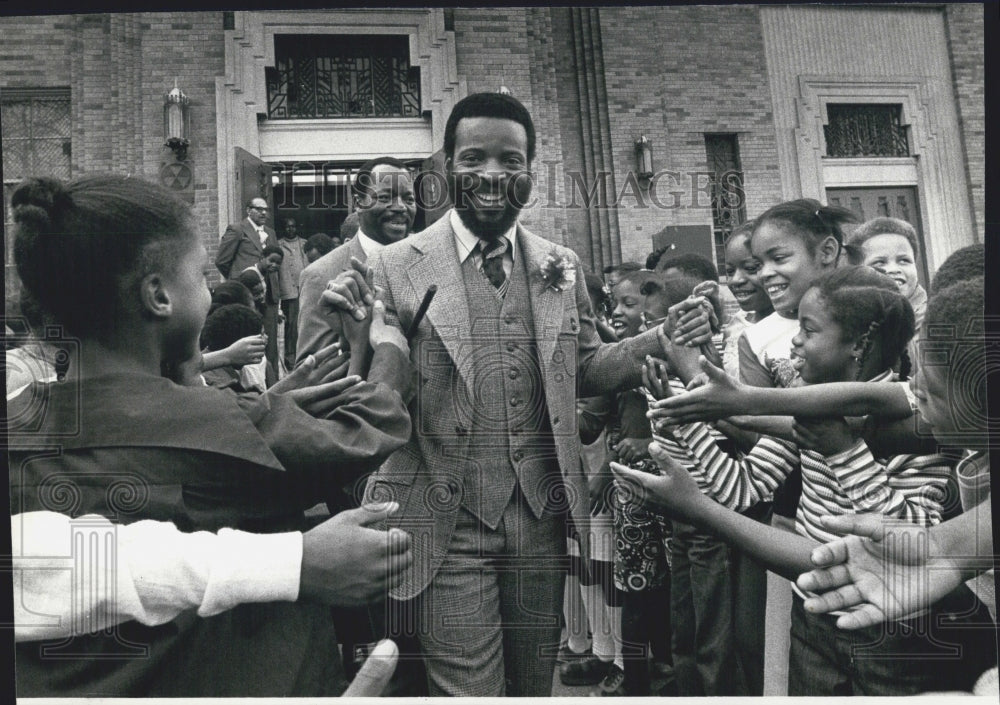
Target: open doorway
column 318, row 194
column 885, row 202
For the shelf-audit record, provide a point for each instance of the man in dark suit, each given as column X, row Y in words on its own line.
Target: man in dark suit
column 242, row 246
column 386, row 206
column 243, row 243
column 492, row 472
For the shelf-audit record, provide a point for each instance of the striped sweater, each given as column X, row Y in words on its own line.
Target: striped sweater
column 908, row 487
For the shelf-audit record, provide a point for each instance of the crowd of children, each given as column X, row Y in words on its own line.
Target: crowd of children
column 825, row 322
column 750, row 440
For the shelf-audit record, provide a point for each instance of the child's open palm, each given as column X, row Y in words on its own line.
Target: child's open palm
column 882, row 571
column 674, row 490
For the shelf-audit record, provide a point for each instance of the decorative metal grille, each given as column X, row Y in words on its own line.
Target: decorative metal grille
column 728, row 201
column 866, row 130
column 342, row 76
column 35, row 142
column 36, row 138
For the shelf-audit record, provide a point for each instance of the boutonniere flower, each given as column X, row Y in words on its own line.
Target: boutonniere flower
column 558, row 271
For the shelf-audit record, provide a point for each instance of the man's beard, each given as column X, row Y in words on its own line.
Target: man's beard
column 488, row 230
column 517, row 192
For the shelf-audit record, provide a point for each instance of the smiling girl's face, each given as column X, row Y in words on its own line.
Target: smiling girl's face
column 626, row 318
column 742, row 270
column 788, row 267
column 820, row 351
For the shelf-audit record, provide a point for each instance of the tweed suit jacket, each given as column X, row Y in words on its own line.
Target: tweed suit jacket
column 425, row 476
column 318, row 326
column 240, row 248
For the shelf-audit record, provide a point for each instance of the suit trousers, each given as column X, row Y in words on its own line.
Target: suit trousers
column 271, row 349
column 489, row 622
column 290, row 307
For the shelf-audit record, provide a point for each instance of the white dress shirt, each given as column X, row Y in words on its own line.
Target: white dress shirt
column 260, row 231
column 369, row 245
column 159, row 572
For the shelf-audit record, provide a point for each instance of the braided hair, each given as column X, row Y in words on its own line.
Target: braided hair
column 868, row 308
column 81, row 247
column 810, row 220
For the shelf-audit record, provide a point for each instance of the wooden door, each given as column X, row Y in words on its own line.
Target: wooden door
column 253, row 180
column 884, row 202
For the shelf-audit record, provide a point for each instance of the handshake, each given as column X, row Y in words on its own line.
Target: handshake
column 353, row 297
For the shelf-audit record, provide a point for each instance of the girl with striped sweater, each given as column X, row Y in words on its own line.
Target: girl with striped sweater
column 854, row 325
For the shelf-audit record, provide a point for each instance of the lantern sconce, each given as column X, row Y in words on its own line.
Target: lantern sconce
column 644, row 159
column 177, row 122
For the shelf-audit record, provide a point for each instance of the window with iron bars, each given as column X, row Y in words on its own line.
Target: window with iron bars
column 728, row 199
column 36, row 141
column 866, row 130
column 342, row 76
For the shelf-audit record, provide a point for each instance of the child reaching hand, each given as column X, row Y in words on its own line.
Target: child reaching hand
column 641, row 569
column 854, row 324
column 121, row 440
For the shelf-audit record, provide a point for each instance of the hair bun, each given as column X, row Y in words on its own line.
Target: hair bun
column 36, row 201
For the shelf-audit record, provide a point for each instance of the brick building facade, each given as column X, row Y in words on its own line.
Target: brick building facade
column 85, row 93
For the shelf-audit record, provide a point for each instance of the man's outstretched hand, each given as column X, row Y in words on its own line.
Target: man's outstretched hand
column 352, row 292
column 345, row 561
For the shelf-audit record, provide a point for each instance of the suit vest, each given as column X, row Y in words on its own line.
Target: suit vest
column 510, row 435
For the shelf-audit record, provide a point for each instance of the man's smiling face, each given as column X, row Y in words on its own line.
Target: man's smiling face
column 386, row 210
column 489, row 174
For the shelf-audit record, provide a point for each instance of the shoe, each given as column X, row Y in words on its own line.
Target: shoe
column 614, row 682
column 586, row 669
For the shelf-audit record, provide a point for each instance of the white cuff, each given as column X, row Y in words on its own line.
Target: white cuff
column 253, row 568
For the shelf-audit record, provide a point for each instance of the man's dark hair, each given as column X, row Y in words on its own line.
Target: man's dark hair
column 623, row 267
column 363, row 182
column 272, row 250
column 488, row 105
column 227, row 324
column 691, row 265
column 321, row 242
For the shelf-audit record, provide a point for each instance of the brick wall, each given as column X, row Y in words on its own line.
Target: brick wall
column 36, row 51
column 187, row 46
column 965, row 48
column 673, row 74
column 514, row 47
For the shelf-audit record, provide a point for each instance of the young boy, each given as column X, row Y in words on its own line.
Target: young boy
column 292, row 264
column 267, row 271
column 223, row 327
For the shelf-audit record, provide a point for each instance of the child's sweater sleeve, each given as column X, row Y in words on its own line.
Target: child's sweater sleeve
column 909, row 487
column 736, row 483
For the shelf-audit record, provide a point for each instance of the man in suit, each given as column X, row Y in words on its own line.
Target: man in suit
column 243, row 243
column 492, row 471
column 386, row 206
column 242, row 246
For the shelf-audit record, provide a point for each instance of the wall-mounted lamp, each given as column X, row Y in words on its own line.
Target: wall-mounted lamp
column 644, row 158
column 177, row 122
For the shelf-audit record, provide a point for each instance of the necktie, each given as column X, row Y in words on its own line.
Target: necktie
column 493, row 252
